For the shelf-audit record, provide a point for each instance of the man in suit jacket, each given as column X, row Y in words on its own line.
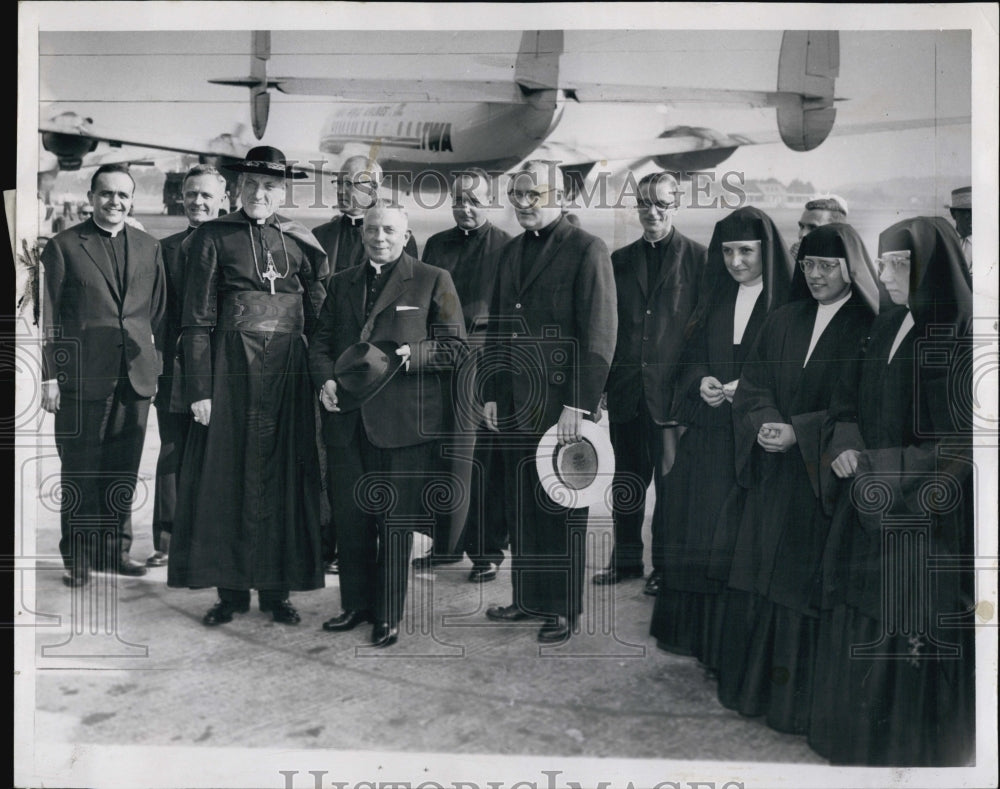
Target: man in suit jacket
column 357, row 190
column 104, row 301
column 549, row 348
column 469, row 252
column 202, row 192
column 396, row 298
column 656, row 278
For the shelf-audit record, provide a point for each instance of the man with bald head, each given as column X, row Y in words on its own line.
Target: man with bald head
column 468, row 251
column 549, row 346
column 357, row 189
column 404, row 316
column 656, row 278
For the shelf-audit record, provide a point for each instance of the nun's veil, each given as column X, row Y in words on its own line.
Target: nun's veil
column 840, row 240
column 939, row 283
column 743, row 224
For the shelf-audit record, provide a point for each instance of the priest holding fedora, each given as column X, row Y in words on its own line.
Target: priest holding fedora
column 388, row 328
column 248, row 494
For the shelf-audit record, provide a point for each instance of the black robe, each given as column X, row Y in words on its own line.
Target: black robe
column 248, row 499
column 701, row 478
column 783, row 528
column 902, row 700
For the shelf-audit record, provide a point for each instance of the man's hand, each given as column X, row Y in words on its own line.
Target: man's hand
column 729, row 390
column 711, row 391
column 328, row 396
column 202, row 410
column 490, row 416
column 404, row 351
column 846, row 464
column 776, row 437
column 568, row 427
column 50, row 396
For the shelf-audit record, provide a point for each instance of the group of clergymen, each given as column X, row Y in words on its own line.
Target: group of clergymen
column 458, row 397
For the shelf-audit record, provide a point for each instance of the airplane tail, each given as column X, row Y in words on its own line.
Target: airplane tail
column 808, row 65
column 537, row 65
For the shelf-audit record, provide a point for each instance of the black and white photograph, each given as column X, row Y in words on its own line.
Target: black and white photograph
column 504, row 396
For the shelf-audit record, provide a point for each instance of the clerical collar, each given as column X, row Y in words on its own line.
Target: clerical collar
column 254, row 220
column 381, row 268
column 545, row 232
column 108, row 233
column 473, row 232
column 660, row 241
column 354, row 221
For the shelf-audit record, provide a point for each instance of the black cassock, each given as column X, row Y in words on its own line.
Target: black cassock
column 908, row 698
column 783, row 529
column 248, row 499
column 701, row 478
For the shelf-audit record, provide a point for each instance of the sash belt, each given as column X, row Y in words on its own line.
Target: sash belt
column 254, row 310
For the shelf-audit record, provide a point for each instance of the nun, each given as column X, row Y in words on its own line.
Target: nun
column 746, row 277
column 894, row 685
column 779, row 410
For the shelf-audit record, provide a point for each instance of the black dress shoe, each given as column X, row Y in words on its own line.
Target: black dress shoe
column 331, row 567
column 614, row 575
column 157, row 559
column 127, row 567
column 384, row 635
column 283, row 611
column 653, row 583
column 222, row 612
column 555, row 630
column 73, row 578
column 508, row 613
column 347, row 621
column 429, row 561
column 483, row 572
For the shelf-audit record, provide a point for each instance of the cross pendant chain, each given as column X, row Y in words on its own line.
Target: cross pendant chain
column 270, row 273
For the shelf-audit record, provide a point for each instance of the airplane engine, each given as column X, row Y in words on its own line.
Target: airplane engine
column 69, row 148
column 692, row 161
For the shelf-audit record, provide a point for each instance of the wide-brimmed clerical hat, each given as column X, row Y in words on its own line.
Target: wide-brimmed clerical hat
column 577, row 474
column 961, row 198
column 362, row 371
column 265, row 160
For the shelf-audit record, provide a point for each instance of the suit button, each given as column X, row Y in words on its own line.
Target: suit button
column 517, row 306
column 514, row 336
column 649, row 312
column 644, row 364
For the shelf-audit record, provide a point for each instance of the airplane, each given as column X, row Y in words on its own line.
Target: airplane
column 418, row 127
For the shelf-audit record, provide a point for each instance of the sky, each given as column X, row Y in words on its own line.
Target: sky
column 156, row 82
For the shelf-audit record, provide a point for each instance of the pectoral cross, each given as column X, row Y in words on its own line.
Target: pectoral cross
column 271, row 273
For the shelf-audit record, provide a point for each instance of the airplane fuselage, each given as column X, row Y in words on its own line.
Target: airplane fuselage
column 442, row 137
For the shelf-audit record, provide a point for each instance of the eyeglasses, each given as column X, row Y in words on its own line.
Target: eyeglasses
column 660, row 205
column 893, row 260
column 825, row 265
column 528, row 198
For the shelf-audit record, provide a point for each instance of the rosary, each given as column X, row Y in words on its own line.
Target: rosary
column 270, row 272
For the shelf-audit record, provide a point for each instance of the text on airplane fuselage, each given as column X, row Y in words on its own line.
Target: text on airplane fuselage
column 386, row 125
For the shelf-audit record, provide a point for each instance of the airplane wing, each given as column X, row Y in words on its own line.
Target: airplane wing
column 689, row 139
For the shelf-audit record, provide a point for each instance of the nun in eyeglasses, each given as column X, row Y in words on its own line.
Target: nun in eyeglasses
column 746, row 277
column 779, row 411
column 894, row 685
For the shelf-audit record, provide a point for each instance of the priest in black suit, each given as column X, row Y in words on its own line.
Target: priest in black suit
column 656, row 278
column 104, row 298
column 202, row 193
column 381, row 453
column 549, row 346
column 469, row 252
